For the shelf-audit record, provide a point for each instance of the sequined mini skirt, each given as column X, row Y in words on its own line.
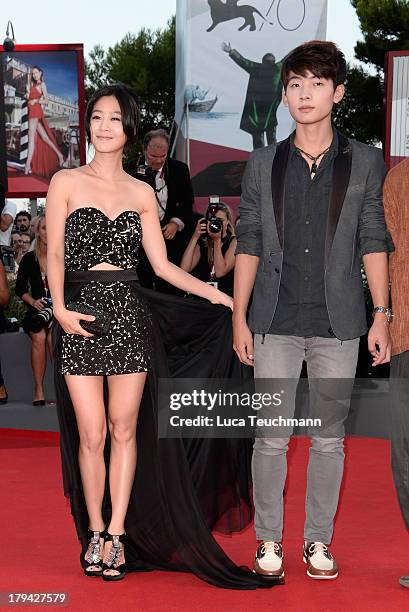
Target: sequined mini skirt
column 127, row 346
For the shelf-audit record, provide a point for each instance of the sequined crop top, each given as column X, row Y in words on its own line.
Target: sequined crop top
column 92, row 238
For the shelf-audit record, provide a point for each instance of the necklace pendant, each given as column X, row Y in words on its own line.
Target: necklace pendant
column 314, row 168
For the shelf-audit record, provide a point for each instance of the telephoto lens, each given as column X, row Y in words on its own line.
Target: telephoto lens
column 41, row 319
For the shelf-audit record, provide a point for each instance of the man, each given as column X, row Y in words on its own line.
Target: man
column 22, row 221
column 6, row 222
column 263, row 96
column 396, row 193
column 25, row 242
column 170, row 180
column 311, row 207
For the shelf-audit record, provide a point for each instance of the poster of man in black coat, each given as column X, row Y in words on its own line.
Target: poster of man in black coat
column 263, row 96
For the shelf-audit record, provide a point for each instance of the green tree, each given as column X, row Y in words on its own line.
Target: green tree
column 146, row 63
column 385, row 27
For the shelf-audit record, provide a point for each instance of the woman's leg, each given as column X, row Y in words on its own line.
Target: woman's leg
column 49, row 142
column 125, row 393
column 32, row 130
column 50, row 341
column 87, row 396
column 38, row 361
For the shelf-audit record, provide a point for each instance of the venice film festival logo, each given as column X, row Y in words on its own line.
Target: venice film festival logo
column 276, row 11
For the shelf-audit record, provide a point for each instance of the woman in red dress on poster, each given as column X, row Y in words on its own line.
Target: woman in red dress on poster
column 44, row 156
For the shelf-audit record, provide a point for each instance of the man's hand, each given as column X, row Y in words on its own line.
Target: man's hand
column 379, row 342
column 169, row 230
column 243, row 342
column 226, row 47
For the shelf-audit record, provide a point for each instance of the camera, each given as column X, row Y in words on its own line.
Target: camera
column 42, row 318
column 7, row 256
column 215, row 224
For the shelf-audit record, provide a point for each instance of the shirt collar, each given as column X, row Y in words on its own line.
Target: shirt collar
column 333, row 150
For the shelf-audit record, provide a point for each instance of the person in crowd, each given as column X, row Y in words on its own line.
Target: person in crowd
column 396, row 193
column 25, row 242
column 310, row 209
column 105, row 328
column 33, row 227
column 170, row 180
column 210, row 252
column 4, row 300
column 21, row 243
column 43, row 157
column 16, row 244
column 6, row 222
column 15, row 241
column 22, row 221
column 32, row 288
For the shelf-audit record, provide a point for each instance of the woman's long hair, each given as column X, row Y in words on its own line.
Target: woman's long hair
column 33, row 81
column 37, row 239
column 231, row 231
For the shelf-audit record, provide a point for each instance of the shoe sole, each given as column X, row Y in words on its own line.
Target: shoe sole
column 314, row 577
column 279, row 578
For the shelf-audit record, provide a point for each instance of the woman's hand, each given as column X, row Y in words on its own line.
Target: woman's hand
column 223, row 299
column 70, row 322
column 40, row 303
column 215, row 236
column 200, row 230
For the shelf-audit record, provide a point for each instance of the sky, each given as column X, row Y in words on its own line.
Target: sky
column 106, row 22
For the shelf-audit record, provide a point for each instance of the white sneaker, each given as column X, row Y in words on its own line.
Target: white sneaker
column 269, row 559
column 321, row 564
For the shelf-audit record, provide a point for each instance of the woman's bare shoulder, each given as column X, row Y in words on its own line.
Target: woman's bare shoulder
column 139, row 187
column 67, row 175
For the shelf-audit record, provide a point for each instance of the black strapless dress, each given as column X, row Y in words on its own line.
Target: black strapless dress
column 91, row 238
column 173, row 503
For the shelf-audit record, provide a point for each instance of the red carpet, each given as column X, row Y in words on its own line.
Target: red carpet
column 40, row 552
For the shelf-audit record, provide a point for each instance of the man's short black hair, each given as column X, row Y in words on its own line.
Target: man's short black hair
column 128, row 103
column 22, row 213
column 320, row 57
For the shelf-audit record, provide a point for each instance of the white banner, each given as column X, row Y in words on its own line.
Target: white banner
column 229, row 56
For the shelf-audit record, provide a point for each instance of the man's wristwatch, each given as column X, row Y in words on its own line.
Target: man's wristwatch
column 386, row 311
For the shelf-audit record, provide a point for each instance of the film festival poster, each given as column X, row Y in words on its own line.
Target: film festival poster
column 231, row 104
column 43, row 115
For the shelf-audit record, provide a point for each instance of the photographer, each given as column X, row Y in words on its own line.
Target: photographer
column 210, row 253
column 170, row 180
column 32, row 274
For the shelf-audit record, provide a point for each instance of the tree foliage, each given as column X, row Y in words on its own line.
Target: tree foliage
column 146, row 63
column 385, row 27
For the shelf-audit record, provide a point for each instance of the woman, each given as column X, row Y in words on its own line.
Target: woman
column 210, row 252
column 44, row 156
column 32, row 288
column 101, row 217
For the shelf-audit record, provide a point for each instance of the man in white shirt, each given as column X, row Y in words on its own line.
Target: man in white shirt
column 6, row 222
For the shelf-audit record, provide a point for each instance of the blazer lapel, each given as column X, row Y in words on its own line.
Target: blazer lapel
column 277, row 185
column 340, row 182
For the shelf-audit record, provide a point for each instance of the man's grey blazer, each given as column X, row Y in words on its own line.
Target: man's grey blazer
column 355, row 227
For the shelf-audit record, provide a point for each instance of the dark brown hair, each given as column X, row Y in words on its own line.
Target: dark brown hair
column 128, row 103
column 320, row 57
